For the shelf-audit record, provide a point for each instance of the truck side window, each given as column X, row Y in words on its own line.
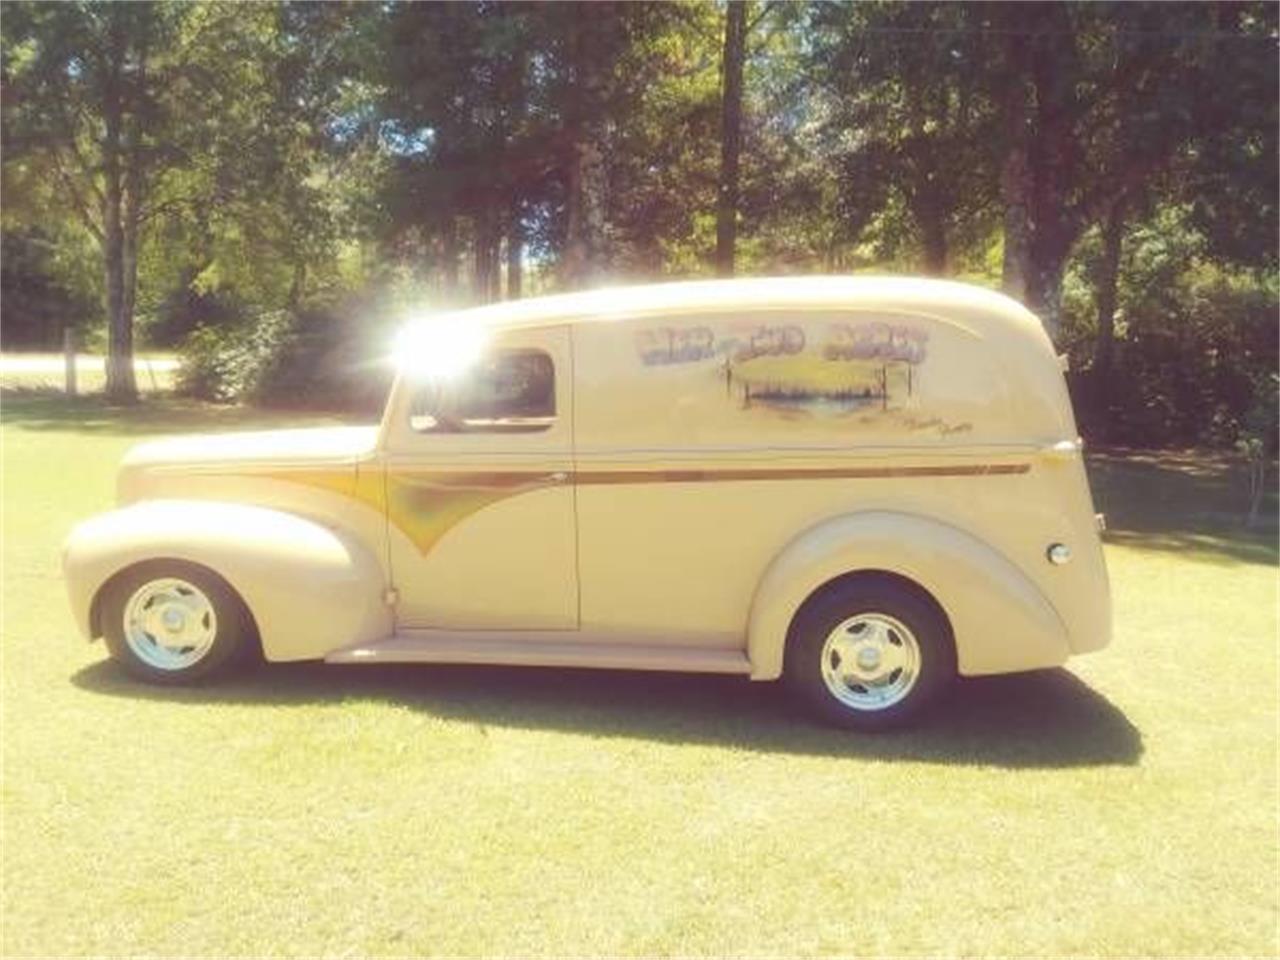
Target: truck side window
column 506, row 391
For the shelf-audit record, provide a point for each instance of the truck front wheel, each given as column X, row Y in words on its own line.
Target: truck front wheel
column 169, row 621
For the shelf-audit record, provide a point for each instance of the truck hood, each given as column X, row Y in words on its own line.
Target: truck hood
column 315, row 445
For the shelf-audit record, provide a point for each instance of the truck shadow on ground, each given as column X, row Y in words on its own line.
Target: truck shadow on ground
column 1046, row 719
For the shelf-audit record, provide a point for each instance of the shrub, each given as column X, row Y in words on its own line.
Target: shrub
column 326, row 361
column 226, row 364
column 1193, row 355
column 316, row 359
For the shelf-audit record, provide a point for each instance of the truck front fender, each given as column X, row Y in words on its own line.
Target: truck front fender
column 310, row 589
column 1000, row 620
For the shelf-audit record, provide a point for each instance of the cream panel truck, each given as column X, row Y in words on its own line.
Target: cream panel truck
column 861, row 486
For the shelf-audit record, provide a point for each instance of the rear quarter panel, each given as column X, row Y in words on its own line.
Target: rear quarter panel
column 705, row 447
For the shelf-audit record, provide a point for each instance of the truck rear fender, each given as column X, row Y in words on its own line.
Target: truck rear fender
column 1000, row 620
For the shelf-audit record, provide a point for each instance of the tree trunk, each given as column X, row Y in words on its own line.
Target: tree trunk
column 118, row 249
column 130, row 227
column 515, row 81
column 1053, row 148
column 493, row 237
column 449, row 259
column 1044, row 289
column 734, row 53
column 1015, row 171
column 297, row 285
column 488, row 238
column 120, row 380
column 480, row 268
column 582, row 255
column 585, row 203
column 128, row 288
column 515, row 256
column 1108, row 277
column 934, row 243
column 1015, row 194
column 1015, row 187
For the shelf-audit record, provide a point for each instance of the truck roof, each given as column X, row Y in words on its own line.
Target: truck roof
column 800, row 292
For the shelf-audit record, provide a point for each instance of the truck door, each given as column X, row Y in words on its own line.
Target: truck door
column 479, row 491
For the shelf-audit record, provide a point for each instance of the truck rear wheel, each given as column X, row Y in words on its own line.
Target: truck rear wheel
column 870, row 654
column 169, row 621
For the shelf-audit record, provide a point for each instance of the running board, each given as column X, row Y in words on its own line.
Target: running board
column 539, row 649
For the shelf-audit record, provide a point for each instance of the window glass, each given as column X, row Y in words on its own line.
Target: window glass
column 506, row 391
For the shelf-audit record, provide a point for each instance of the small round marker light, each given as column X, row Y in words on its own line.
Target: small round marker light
column 1058, row 554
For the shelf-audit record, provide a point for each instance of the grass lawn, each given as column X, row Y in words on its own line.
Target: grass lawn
column 1126, row 806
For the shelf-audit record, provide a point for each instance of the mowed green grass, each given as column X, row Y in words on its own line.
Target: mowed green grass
column 1125, row 806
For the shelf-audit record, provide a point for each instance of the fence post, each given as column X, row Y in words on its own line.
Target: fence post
column 69, row 354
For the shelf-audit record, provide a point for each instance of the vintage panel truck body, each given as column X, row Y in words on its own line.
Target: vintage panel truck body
column 864, row 486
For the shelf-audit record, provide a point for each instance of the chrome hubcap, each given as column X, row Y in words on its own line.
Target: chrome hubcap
column 870, row 662
column 170, row 624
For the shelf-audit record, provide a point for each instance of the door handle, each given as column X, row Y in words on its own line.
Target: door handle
column 560, row 476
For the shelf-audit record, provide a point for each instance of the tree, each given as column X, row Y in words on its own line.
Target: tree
column 609, row 54
column 1208, row 90
column 1232, row 178
column 734, row 53
column 80, row 79
column 502, row 121
column 591, row 39
column 1100, row 101
column 270, row 185
column 469, row 125
column 908, row 122
column 112, row 103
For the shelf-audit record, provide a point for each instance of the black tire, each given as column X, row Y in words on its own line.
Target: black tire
column 234, row 636
column 823, row 613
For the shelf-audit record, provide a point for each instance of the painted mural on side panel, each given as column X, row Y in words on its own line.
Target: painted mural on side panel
column 862, row 371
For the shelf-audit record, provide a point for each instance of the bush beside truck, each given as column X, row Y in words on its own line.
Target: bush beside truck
column 311, row 358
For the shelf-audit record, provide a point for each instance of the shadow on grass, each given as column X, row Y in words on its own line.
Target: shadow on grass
column 1189, row 502
column 48, row 411
column 1046, row 719
column 1205, row 545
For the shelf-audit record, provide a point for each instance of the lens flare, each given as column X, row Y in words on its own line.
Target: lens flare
column 439, row 348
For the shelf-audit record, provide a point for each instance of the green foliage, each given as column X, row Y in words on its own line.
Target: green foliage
column 1196, row 343
column 228, row 363
column 909, row 123
column 308, row 358
column 1260, row 426
column 286, row 159
column 187, row 307
column 1189, row 367
column 330, row 360
column 662, row 165
column 46, row 286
